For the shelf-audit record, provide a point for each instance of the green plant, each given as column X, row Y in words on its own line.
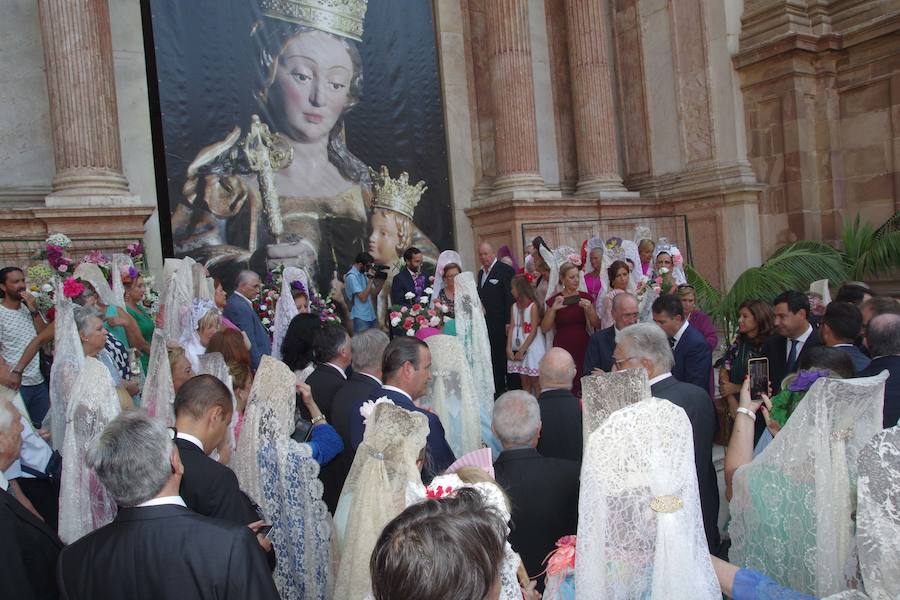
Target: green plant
column 870, row 252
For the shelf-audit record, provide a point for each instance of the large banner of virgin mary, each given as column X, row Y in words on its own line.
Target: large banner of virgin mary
column 277, row 117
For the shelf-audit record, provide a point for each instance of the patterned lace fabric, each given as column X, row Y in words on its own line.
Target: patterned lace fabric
column 640, row 530
column 471, row 330
column 285, row 307
column 376, row 490
column 158, row 395
column 878, row 515
column 68, row 358
column 792, row 506
column 451, row 394
column 213, row 363
column 84, row 503
column 605, row 394
column 177, row 295
column 91, row 273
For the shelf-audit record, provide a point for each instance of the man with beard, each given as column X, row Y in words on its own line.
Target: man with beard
column 408, row 285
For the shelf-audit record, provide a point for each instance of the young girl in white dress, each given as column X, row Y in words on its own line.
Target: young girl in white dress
column 525, row 342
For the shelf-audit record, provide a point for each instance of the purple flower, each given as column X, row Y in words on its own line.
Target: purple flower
column 297, row 285
column 805, row 379
column 133, row 273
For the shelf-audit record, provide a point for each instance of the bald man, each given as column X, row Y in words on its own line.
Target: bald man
column 494, row 281
column 560, row 410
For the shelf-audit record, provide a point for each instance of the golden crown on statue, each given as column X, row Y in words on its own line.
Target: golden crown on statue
column 340, row 17
column 396, row 194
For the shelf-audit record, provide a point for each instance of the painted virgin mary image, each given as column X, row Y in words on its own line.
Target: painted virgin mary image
column 285, row 188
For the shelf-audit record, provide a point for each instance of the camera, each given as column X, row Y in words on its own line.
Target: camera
column 380, row 271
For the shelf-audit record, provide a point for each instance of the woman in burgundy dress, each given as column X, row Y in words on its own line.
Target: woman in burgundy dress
column 568, row 319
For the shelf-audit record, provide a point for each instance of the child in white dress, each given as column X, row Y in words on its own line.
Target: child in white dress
column 525, row 342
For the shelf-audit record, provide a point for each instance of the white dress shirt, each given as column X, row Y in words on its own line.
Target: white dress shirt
column 801, row 341
column 680, row 333
column 398, row 390
column 338, row 369
column 375, row 379
column 192, row 439
column 176, row 500
column 484, row 274
column 659, row 378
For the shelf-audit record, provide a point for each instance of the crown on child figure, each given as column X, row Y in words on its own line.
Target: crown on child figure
column 396, row 194
column 340, row 17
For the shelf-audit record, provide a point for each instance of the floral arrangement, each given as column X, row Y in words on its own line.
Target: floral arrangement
column 326, row 308
column 659, row 281
column 40, row 284
column 560, row 582
column 407, row 320
column 264, row 305
column 72, row 288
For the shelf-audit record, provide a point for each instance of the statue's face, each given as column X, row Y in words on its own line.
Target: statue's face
column 312, row 84
column 384, row 239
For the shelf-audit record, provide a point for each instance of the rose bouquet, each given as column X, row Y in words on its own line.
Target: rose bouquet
column 326, row 308
column 407, row 320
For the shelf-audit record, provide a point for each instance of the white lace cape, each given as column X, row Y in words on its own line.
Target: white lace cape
column 84, row 504
column 471, row 330
column 285, row 307
column 375, row 490
column 640, row 529
column 792, row 506
column 177, row 296
column 451, row 394
column 158, row 394
column 602, row 395
column 68, row 358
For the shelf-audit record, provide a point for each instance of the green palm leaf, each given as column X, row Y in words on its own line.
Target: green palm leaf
column 870, row 252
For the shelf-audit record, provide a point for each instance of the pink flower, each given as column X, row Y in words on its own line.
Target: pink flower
column 563, row 558
column 394, row 314
column 62, row 268
column 677, row 259
column 417, row 307
column 432, row 313
column 403, row 309
column 72, row 288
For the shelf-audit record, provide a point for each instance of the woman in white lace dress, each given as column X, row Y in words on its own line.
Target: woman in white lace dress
column 85, row 505
column 525, row 341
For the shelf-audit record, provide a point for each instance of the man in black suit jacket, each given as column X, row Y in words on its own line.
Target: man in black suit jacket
column 407, row 368
column 404, row 282
column 202, row 414
column 494, row 281
column 28, row 548
column 795, row 337
column 841, row 326
column 599, row 354
column 693, row 359
column 334, row 354
column 644, row 345
column 156, row 548
column 368, row 351
column 543, row 491
column 560, row 410
column 883, row 341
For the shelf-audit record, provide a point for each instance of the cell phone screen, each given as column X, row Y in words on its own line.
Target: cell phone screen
column 264, row 530
column 758, row 369
column 571, row 300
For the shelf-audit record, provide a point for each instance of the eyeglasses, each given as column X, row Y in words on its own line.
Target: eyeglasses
column 621, row 362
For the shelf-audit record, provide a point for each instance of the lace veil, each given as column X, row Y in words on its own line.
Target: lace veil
column 213, row 363
column 554, row 260
column 190, row 335
column 158, row 395
column 471, row 330
column 625, row 250
column 285, row 308
column 792, row 506
column 84, row 503
column 672, row 250
column 375, row 490
column 282, row 476
column 92, row 274
column 202, row 285
column 177, row 295
column 120, row 264
column 446, row 257
column 602, row 395
column 640, row 530
column 451, row 394
column 68, row 358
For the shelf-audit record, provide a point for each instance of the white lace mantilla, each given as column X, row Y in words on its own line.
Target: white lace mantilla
column 605, row 394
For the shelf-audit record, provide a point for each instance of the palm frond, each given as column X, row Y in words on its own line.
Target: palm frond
column 869, row 252
column 708, row 297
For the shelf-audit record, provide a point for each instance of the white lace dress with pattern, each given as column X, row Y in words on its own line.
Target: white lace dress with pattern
column 520, row 321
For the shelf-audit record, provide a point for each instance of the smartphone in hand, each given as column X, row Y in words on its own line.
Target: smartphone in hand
column 758, row 369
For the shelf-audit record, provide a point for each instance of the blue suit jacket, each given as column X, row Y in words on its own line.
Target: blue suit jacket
column 693, row 359
column 600, row 348
column 403, row 283
column 438, row 450
column 238, row 311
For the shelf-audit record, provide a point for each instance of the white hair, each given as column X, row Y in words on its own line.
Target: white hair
column 517, row 417
column 368, row 349
column 648, row 340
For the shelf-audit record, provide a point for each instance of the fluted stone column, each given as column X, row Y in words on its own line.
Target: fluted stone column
column 592, row 100
column 512, row 83
column 81, row 86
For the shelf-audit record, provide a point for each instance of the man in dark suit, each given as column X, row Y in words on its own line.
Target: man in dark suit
column 156, row 548
column 494, row 281
column 407, row 368
column 202, row 414
column 693, row 359
column 28, row 548
column 883, row 340
column 368, row 351
column 403, row 287
column 543, row 491
column 331, row 347
column 560, row 410
column 239, row 310
column 602, row 343
column 795, row 336
column 644, row 345
column 841, row 325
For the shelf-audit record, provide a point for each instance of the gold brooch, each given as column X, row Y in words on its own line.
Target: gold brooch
column 666, row 504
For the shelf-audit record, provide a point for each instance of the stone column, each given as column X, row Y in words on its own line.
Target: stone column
column 592, row 100
column 512, row 83
column 84, row 119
